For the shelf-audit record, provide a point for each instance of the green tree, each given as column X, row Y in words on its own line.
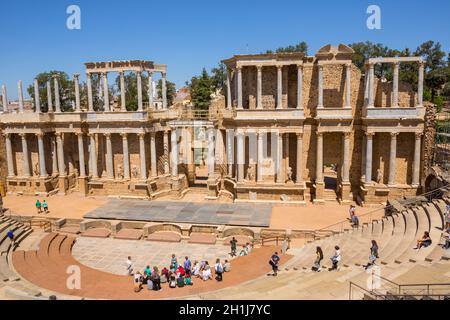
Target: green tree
column 170, row 91
column 66, row 90
column 219, row 76
column 201, row 89
column 299, row 47
column 131, row 96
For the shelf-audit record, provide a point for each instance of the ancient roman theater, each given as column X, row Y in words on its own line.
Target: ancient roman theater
column 282, row 152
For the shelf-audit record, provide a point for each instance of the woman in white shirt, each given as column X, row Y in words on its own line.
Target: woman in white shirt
column 336, row 258
column 196, row 271
column 206, row 274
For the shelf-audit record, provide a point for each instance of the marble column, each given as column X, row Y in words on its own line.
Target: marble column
column 37, row 102
column 320, row 87
column 366, row 85
column 153, row 162
column 20, row 93
column 123, row 106
column 416, row 162
column 60, row 152
column 395, row 85
column 56, row 88
column 142, row 155
column 93, row 155
column 229, row 104
column 139, row 90
column 174, row 153
column 259, row 87
column 260, row 146
column 239, row 87
column 76, row 78
column 348, row 77
column 89, row 90
column 279, row 157
column 41, row 151
column 230, row 151
column 279, row 87
column 164, row 90
column 49, row 96
column 9, row 155
column 299, row 177
column 346, row 158
column 150, row 89
column 319, row 158
column 166, row 152
column 126, row 156
column 392, row 158
column 363, row 158
column 26, row 156
column 5, row 98
column 371, row 85
column 420, row 85
column 109, row 157
column 106, row 106
column 300, row 87
column 54, row 156
column 240, row 156
column 286, row 156
column 369, row 148
column 81, row 154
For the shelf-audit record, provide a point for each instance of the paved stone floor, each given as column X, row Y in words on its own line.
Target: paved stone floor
column 110, row 254
column 241, row 214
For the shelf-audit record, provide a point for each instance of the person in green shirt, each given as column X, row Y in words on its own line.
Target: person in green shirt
column 45, row 206
column 38, row 206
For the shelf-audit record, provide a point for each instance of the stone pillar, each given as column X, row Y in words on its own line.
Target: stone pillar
column 300, row 87
column 150, row 89
column 363, row 158
column 279, row 87
column 60, row 153
column 89, row 90
column 230, row 151
column 49, row 96
column 174, row 153
column 37, row 103
column 395, row 85
column 126, row 156
column 348, row 77
column 320, row 87
column 211, row 153
column 164, row 90
column 142, row 155
column 279, row 155
column 26, row 157
column 166, row 152
column 420, row 85
column 229, row 104
column 366, row 85
column 392, row 158
column 5, row 98
column 346, row 158
column 54, row 157
column 109, row 157
column 259, row 165
column 105, row 92
column 20, row 93
column 286, row 156
column 369, row 144
column 56, row 88
column 76, row 78
column 41, row 151
column 153, row 162
column 123, row 106
column 139, row 90
column 81, row 154
column 416, row 163
column 239, row 87
column 299, row 177
column 240, row 156
column 319, row 158
column 259, row 87
column 9, row 155
column 93, row 155
column 371, row 86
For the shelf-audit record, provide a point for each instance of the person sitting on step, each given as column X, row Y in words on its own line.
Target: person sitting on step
column 206, row 274
column 425, row 241
column 156, row 279
column 137, row 281
column 335, row 258
column 227, row 266
column 187, row 279
column 172, row 281
column 180, row 281
column 164, row 275
column 243, row 251
column 196, row 269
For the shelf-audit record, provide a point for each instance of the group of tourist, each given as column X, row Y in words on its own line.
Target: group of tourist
column 41, row 206
column 246, row 249
column 178, row 275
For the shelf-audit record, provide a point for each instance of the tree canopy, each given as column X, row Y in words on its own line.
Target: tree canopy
column 201, row 88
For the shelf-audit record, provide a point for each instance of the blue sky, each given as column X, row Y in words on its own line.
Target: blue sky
column 189, row 35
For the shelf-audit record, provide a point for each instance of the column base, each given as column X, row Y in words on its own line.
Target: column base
column 318, row 196
column 83, row 185
column 345, row 193
column 213, row 184
column 62, row 185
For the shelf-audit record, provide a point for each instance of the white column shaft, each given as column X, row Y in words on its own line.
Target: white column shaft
column 9, row 156
column 49, row 96
column 319, row 159
column 57, row 98
column 109, row 157
column 123, row 105
column 93, row 156
column 77, row 93
column 300, row 87
column 166, row 152
column 37, row 102
column 346, row 160
column 395, row 86
column 4, row 99
column 279, row 87
column 229, row 105
column 60, row 151
column 239, row 88
column 142, row 156
column 420, row 85
column 259, row 165
column 81, row 155
column 105, row 92
column 126, row 157
column 164, row 91
column 369, row 145
column 153, row 163
column 41, row 151
column 416, row 163
column 89, row 90
column 20, row 93
column 26, row 161
column 299, row 177
column 259, row 88
column 139, row 91
column 392, row 159
column 174, row 153
column 240, row 156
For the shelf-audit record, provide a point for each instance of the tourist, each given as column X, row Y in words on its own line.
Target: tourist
column 218, row 269
column 425, row 241
column 335, row 258
column 243, row 251
column 373, row 255
column 248, row 246
column 447, row 216
column 233, row 244
column 164, row 275
column 137, row 281
column 319, row 258
column 174, row 262
column 147, row 274
column 355, row 221
column 227, row 266
column 274, row 260
column 156, row 279
column 196, row 271
column 206, row 274
column 38, row 206
column 180, row 271
column 45, row 206
column 187, row 264
column 351, row 211
column 129, row 266
column 203, row 265
column 188, row 280
column 180, row 281
column 446, row 244
column 284, row 246
column 172, row 281
column 10, row 236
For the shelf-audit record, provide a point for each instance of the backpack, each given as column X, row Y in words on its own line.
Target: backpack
column 173, row 284
column 219, row 268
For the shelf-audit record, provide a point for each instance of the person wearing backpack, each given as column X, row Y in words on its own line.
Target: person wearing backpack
column 172, row 281
column 219, row 270
column 319, row 258
column 180, row 281
column 274, row 263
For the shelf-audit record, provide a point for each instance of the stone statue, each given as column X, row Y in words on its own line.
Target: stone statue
column 289, row 174
column 119, row 171
column 36, row 169
column 250, row 173
column 134, row 172
column 379, row 176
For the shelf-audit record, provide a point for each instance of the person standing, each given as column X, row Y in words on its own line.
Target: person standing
column 45, row 206
column 233, row 243
column 129, row 266
column 335, row 258
column 38, row 206
column 219, row 270
column 373, row 254
column 274, row 260
column 187, row 264
column 156, row 279
column 319, row 258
